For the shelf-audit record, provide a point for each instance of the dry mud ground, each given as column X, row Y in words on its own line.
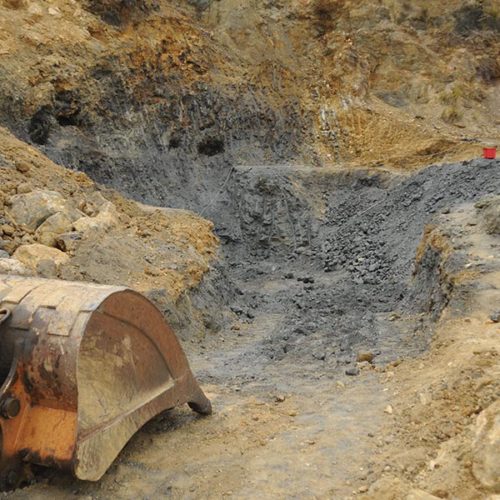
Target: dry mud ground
column 288, row 421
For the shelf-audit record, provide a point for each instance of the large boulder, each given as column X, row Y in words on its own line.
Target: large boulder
column 486, row 451
column 55, row 225
column 32, row 209
column 106, row 219
column 34, row 256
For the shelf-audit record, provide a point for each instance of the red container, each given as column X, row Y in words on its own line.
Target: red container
column 490, row 153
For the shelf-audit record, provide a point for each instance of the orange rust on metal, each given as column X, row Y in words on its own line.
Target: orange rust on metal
column 82, row 368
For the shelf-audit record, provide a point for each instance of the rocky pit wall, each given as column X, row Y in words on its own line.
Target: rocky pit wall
column 174, row 93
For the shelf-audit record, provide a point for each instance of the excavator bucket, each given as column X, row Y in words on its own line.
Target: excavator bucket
column 82, row 368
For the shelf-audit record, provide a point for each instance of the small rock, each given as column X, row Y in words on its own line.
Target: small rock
column 424, row 398
column 152, row 271
column 23, row 188
column 7, row 229
column 320, row 355
column 389, row 410
column 306, row 279
column 54, row 11
column 492, row 217
column 363, row 489
column 352, row 372
column 279, row 398
column 106, row 219
column 93, row 203
column 365, row 356
column 495, row 317
column 68, row 242
column 23, row 167
column 27, row 239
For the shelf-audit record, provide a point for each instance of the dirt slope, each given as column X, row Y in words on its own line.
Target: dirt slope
column 111, row 240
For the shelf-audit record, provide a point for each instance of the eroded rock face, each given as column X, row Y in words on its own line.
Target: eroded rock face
column 487, row 448
column 117, row 12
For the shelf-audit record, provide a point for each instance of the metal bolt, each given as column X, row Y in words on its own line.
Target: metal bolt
column 10, row 407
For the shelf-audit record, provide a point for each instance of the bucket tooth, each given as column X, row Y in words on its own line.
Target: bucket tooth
column 82, row 368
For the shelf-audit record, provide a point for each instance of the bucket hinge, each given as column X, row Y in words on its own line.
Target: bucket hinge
column 4, row 316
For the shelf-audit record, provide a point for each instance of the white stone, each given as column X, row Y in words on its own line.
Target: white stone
column 13, row 266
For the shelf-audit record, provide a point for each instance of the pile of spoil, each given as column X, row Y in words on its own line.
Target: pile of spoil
column 59, row 224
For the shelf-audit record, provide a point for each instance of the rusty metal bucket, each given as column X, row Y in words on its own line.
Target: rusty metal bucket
column 82, row 368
